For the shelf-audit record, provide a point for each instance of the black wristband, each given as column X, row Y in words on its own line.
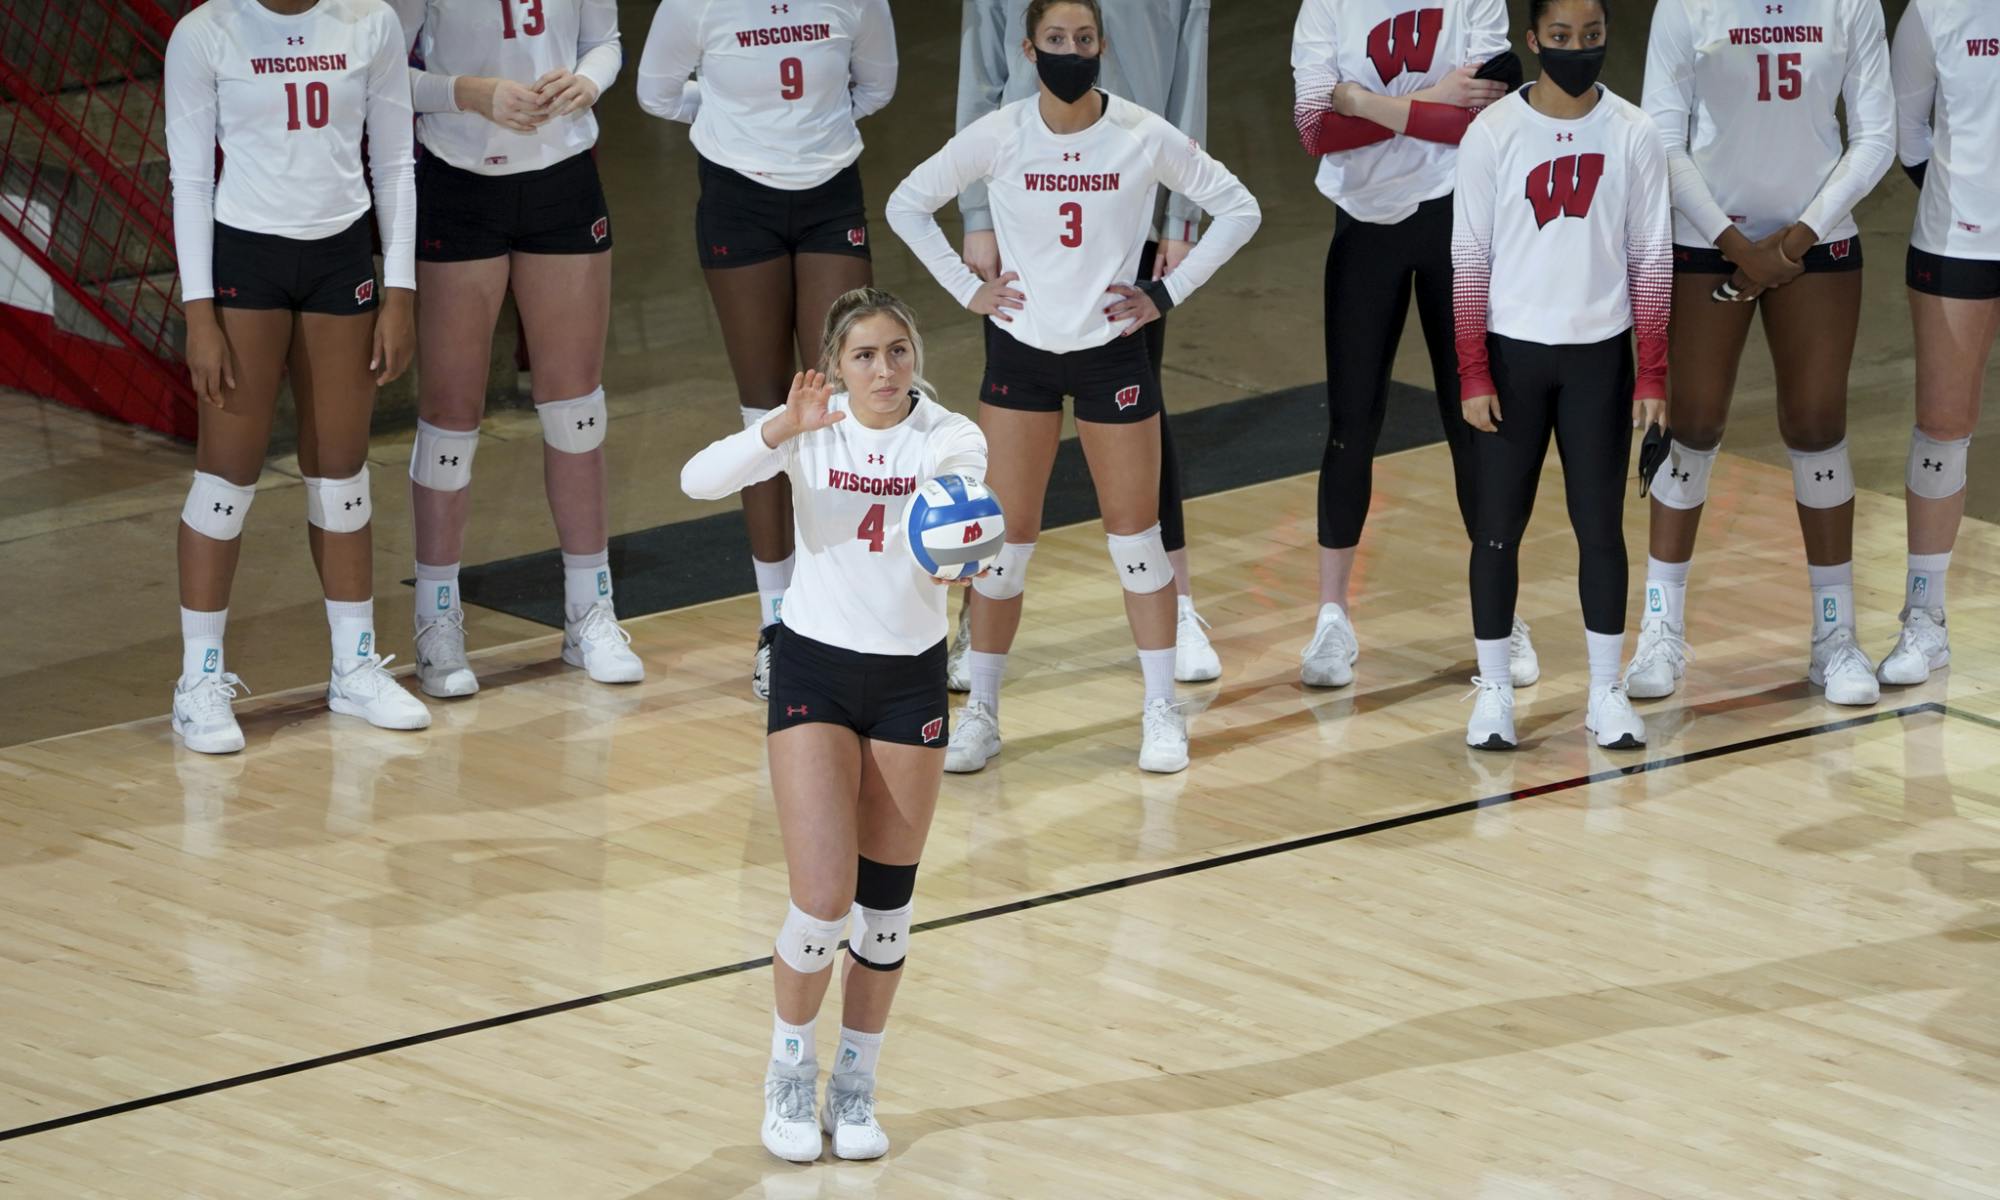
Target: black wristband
column 1156, row 290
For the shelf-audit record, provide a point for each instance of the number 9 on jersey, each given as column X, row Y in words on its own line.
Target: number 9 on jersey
column 955, row 527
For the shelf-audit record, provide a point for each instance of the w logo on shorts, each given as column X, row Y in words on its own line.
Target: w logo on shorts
column 1126, row 398
column 1840, row 249
column 364, row 291
column 364, row 645
column 933, row 729
column 857, row 237
column 210, row 660
column 1655, row 602
column 444, row 597
column 600, row 229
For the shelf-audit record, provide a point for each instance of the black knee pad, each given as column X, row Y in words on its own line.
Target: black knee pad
column 880, row 886
column 883, row 898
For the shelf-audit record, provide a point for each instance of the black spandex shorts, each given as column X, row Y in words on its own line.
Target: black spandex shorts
column 333, row 275
column 1112, row 384
column 463, row 215
column 739, row 222
column 883, row 697
column 1825, row 258
column 1952, row 278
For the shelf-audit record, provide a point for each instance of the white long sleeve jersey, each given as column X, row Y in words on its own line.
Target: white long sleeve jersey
column 781, row 85
column 1946, row 63
column 1071, row 213
column 288, row 99
column 1744, row 97
column 1560, row 235
column 521, row 40
column 856, row 584
column 1392, row 48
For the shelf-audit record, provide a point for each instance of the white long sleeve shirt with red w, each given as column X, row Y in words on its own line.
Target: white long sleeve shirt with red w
column 1561, row 234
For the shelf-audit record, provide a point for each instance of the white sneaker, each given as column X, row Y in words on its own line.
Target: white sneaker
column 1492, row 723
column 1523, row 664
column 1658, row 661
column 957, row 673
column 849, row 1118
column 975, row 739
column 442, row 668
column 371, row 693
column 202, row 715
column 1921, row 649
column 1840, row 666
column 760, row 666
column 1194, row 657
column 1163, row 743
column 1328, row 660
column 600, row 646
column 791, row 1126
column 1611, row 718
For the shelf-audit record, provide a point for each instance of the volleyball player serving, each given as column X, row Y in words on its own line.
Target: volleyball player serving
column 1071, row 178
column 277, row 269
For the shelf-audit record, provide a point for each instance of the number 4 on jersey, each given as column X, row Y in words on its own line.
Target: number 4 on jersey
column 870, row 530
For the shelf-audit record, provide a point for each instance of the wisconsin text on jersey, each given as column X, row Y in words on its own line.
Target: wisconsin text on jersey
column 1034, row 182
column 1776, row 35
column 848, row 481
column 783, row 35
column 311, row 62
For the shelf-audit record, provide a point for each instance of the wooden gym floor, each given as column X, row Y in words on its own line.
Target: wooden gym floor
column 522, row 954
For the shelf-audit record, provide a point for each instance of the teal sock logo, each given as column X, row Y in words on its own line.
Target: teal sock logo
column 778, row 609
column 1655, row 601
column 848, row 1057
column 210, row 660
column 792, row 1048
column 1829, row 610
column 1920, row 588
column 604, row 583
column 444, row 597
column 362, row 646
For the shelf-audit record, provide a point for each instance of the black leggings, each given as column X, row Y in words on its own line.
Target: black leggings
column 1172, row 529
column 1370, row 270
column 1583, row 394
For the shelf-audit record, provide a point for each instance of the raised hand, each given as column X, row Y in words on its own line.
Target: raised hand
column 805, row 410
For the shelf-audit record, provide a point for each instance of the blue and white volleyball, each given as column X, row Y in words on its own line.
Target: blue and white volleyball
column 955, row 527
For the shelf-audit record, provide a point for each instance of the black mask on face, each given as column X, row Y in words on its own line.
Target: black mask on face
column 1069, row 77
column 1574, row 71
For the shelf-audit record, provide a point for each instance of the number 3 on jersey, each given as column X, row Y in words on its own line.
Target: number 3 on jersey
column 1072, row 215
column 871, row 528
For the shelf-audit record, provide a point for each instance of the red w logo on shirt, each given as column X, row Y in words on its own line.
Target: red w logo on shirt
column 1405, row 42
column 1565, row 187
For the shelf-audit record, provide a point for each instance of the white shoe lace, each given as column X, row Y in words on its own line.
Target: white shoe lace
column 601, row 625
column 1500, row 690
column 1613, row 701
column 1190, row 616
column 451, row 627
column 790, row 1099
column 1164, row 720
column 209, row 699
column 1923, row 633
column 851, row 1106
column 370, row 677
column 975, row 720
column 1658, row 641
column 1845, row 656
column 1517, row 640
column 1333, row 630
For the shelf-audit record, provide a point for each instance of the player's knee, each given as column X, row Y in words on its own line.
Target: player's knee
column 1008, row 576
column 1141, row 561
column 441, row 459
column 883, row 901
column 1937, row 465
column 339, row 505
column 752, row 415
column 574, row 426
column 216, row 508
column 1682, row 480
column 1822, row 478
column 806, row 943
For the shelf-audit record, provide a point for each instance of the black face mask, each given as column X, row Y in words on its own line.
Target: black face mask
column 1069, row 77
column 1574, row 71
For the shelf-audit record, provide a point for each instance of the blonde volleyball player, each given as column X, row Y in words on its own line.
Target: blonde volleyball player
column 1946, row 67
column 1071, row 176
column 857, row 705
column 1561, row 231
column 508, row 197
column 1384, row 91
column 1160, row 63
column 277, row 269
column 1764, row 193
column 781, row 228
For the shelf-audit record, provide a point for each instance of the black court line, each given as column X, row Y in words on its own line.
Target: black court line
column 1001, row 910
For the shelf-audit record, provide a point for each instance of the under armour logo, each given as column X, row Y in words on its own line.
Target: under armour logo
column 795, row 710
column 877, row 459
column 1565, row 137
column 997, row 389
column 718, row 252
column 447, row 460
column 1134, row 568
column 885, row 937
column 1933, row 466
column 295, row 41
column 351, row 505
column 1923, row 276
column 586, row 422
column 433, row 243
column 1076, row 157
column 1773, row 8
column 999, row 571
column 1679, row 474
column 780, row 8
column 229, row 292
column 812, row 949
column 227, row 510
column 1822, row 476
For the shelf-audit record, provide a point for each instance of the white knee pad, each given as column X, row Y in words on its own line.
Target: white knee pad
column 1141, row 559
column 1822, row 478
column 441, row 459
column 338, row 505
column 216, row 507
column 1682, row 480
column 881, row 939
column 1008, row 576
column 806, row 943
column 752, row 417
column 575, row 426
column 1937, row 469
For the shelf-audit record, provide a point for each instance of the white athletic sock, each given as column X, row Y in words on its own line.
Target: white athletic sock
column 1493, row 657
column 1833, row 597
column 1666, row 591
column 859, row 1052
column 201, row 644
column 792, row 1045
column 437, row 592
column 1925, row 585
column 1605, row 649
column 772, row 580
column 986, row 671
column 352, row 623
column 1158, row 668
column 586, row 580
